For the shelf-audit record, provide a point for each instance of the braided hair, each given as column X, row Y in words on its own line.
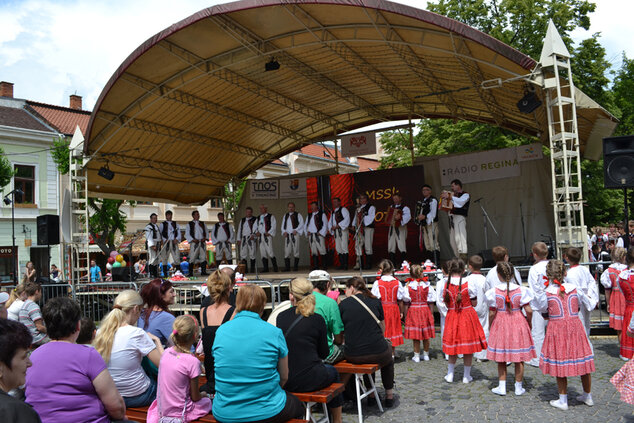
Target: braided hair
column 454, row 267
column 555, row 272
column 506, row 273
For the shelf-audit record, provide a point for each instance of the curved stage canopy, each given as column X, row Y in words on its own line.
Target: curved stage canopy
column 193, row 106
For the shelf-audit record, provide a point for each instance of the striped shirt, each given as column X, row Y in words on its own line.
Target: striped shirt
column 28, row 314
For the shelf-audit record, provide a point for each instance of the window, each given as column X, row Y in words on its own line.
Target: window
column 216, row 203
column 24, row 180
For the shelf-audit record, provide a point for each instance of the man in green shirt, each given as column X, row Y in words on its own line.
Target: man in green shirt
column 327, row 307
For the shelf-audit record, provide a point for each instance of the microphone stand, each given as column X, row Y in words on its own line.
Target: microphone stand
column 487, row 221
column 359, row 261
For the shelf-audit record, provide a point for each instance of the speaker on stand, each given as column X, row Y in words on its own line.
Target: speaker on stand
column 48, row 234
column 618, row 169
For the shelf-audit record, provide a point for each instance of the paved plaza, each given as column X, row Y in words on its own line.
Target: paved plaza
column 422, row 394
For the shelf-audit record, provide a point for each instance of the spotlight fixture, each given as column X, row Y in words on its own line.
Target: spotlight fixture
column 529, row 102
column 105, row 172
column 273, row 65
column 7, row 201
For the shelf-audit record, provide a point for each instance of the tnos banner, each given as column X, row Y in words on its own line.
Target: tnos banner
column 265, row 188
column 358, row 144
column 482, row 166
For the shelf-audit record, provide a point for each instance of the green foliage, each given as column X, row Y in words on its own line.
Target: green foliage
column 105, row 220
column 590, row 69
column 602, row 206
column 6, row 170
column 233, row 194
column 61, row 154
column 623, row 91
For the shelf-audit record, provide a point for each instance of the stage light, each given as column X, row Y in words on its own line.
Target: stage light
column 106, row 173
column 7, row 201
column 528, row 103
column 273, row 65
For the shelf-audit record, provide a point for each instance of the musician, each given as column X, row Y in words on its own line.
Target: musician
column 338, row 227
column 266, row 232
column 153, row 239
column 458, row 218
column 292, row 229
column 171, row 234
column 315, row 228
column 222, row 236
column 196, row 234
column 427, row 220
column 247, row 237
column 398, row 216
column 363, row 224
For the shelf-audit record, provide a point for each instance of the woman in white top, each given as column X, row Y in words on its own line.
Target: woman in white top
column 123, row 345
column 15, row 302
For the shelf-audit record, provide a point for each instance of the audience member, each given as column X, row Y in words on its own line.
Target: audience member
column 4, row 297
column 16, row 300
column 329, row 310
column 95, row 272
column 87, row 331
column 227, row 269
column 29, row 272
column 30, row 314
column 156, row 318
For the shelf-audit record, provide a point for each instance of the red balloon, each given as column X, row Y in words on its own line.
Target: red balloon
column 110, row 260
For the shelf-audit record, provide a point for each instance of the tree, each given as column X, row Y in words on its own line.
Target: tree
column 6, row 170
column 233, row 194
column 623, row 91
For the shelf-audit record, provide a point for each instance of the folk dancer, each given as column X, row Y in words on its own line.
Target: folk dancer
column 427, row 220
column 458, row 218
column 266, row 232
column 247, row 237
column 222, row 236
column 338, row 226
column 196, row 235
column 397, row 218
column 153, row 240
column 292, row 229
column 363, row 224
column 539, row 303
column 171, row 234
column 315, row 228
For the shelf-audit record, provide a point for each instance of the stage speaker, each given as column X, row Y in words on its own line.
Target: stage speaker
column 528, row 103
column 618, row 162
column 48, row 229
column 122, row 274
column 487, row 258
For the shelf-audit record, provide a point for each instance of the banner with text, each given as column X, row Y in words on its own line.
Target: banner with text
column 293, row 188
column 264, row 188
column 358, row 144
column 529, row 152
column 482, row 166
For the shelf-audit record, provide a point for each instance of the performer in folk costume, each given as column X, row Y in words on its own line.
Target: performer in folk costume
column 363, row 224
column 539, row 304
column 477, row 282
column 397, row 218
column 623, row 380
column 292, row 229
column 247, row 237
column 440, row 302
column 460, row 201
column 390, row 291
column 222, row 236
column 626, row 285
column 338, row 227
column 315, row 228
column 427, row 220
column 266, row 232
column 153, row 240
column 510, row 338
column 500, row 254
column 613, row 295
column 566, row 351
column 463, row 333
column 419, row 320
column 171, row 234
column 196, row 234
column 599, row 239
column 580, row 277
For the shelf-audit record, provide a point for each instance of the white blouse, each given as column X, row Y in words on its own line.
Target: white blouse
column 527, row 294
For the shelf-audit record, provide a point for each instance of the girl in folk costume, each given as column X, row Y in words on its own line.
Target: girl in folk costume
column 390, row 292
column 440, row 302
column 566, row 351
column 510, row 339
column 463, row 331
column 623, row 380
column 613, row 295
column 626, row 285
column 419, row 323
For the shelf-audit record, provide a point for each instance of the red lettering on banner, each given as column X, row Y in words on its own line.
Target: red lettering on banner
column 358, row 141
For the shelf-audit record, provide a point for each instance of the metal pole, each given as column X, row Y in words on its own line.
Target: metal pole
column 626, row 241
column 336, row 150
column 411, row 139
column 13, row 249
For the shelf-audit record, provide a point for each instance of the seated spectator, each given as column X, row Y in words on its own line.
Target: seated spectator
column 123, row 345
column 87, row 331
column 16, row 301
column 178, row 377
column 30, row 314
column 54, row 274
column 70, row 382
column 4, row 297
column 227, row 269
column 329, row 310
column 219, row 312
column 251, row 363
column 15, row 341
column 29, row 273
column 363, row 336
column 156, row 318
column 306, row 338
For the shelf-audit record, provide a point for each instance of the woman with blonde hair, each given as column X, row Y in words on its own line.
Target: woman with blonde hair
column 16, row 301
column 123, row 345
column 306, row 338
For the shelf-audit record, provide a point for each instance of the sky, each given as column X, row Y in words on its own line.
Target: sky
column 51, row 49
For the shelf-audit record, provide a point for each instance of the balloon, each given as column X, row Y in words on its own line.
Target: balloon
column 119, row 258
column 116, row 264
column 123, row 263
column 110, row 260
column 113, row 254
column 109, row 266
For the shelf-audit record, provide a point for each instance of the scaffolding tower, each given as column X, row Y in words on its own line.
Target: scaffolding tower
column 79, row 239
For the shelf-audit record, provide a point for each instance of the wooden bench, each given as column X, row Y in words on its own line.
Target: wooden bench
column 322, row 397
column 139, row 414
column 358, row 370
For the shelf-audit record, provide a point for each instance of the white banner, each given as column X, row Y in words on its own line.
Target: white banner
column 358, row 144
column 264, row 188
column 293, row 188
column 482, row 166
column 529, row 152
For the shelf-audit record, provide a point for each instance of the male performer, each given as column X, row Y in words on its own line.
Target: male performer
column 427, row 219
column 247, row 237
column 363, row 224
column 338, row 226
column 398, row 217
column 292, row 229
column 539, row 303
column 196, row 235
column 458, row 219
column 171, row 234
column 153, row 239
column 266, row 231
column 315, row 229
column 222, row 236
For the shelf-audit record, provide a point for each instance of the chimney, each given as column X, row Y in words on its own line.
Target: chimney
column 6, row 89
column 75, row 102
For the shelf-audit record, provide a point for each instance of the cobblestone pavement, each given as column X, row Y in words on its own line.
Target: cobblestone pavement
column 421, row 392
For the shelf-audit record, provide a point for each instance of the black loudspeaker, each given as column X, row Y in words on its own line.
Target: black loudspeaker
column 618, row 162
column 528, row 103
column 487, row 258
column 122, row 274
column 48, row 229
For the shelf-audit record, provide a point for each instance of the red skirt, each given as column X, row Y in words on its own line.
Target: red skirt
column 510, row 338
column 566, row 351
column 463, row 332
column 617, row 309
column 627, row 343
column 623, row 381
column 393, row 328
column 419, row 323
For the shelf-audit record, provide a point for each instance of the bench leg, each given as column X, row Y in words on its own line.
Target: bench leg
column 358, row 388
column 376, row 394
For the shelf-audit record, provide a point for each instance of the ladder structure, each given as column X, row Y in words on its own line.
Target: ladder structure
column 565, row 153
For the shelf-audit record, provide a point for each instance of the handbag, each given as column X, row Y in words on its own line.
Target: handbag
column 378, row 322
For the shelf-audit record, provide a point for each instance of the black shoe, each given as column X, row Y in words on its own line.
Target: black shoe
column 368, row 262
column 252, row 268
column 389, row 402
column 203, row 269
column 393, row 258
column 287, row 265
column 345, row 261
column 324, row 262
column 315, row 265
column 275, row 268
column 371, row 401
column 265, row 266
column 296, row 265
